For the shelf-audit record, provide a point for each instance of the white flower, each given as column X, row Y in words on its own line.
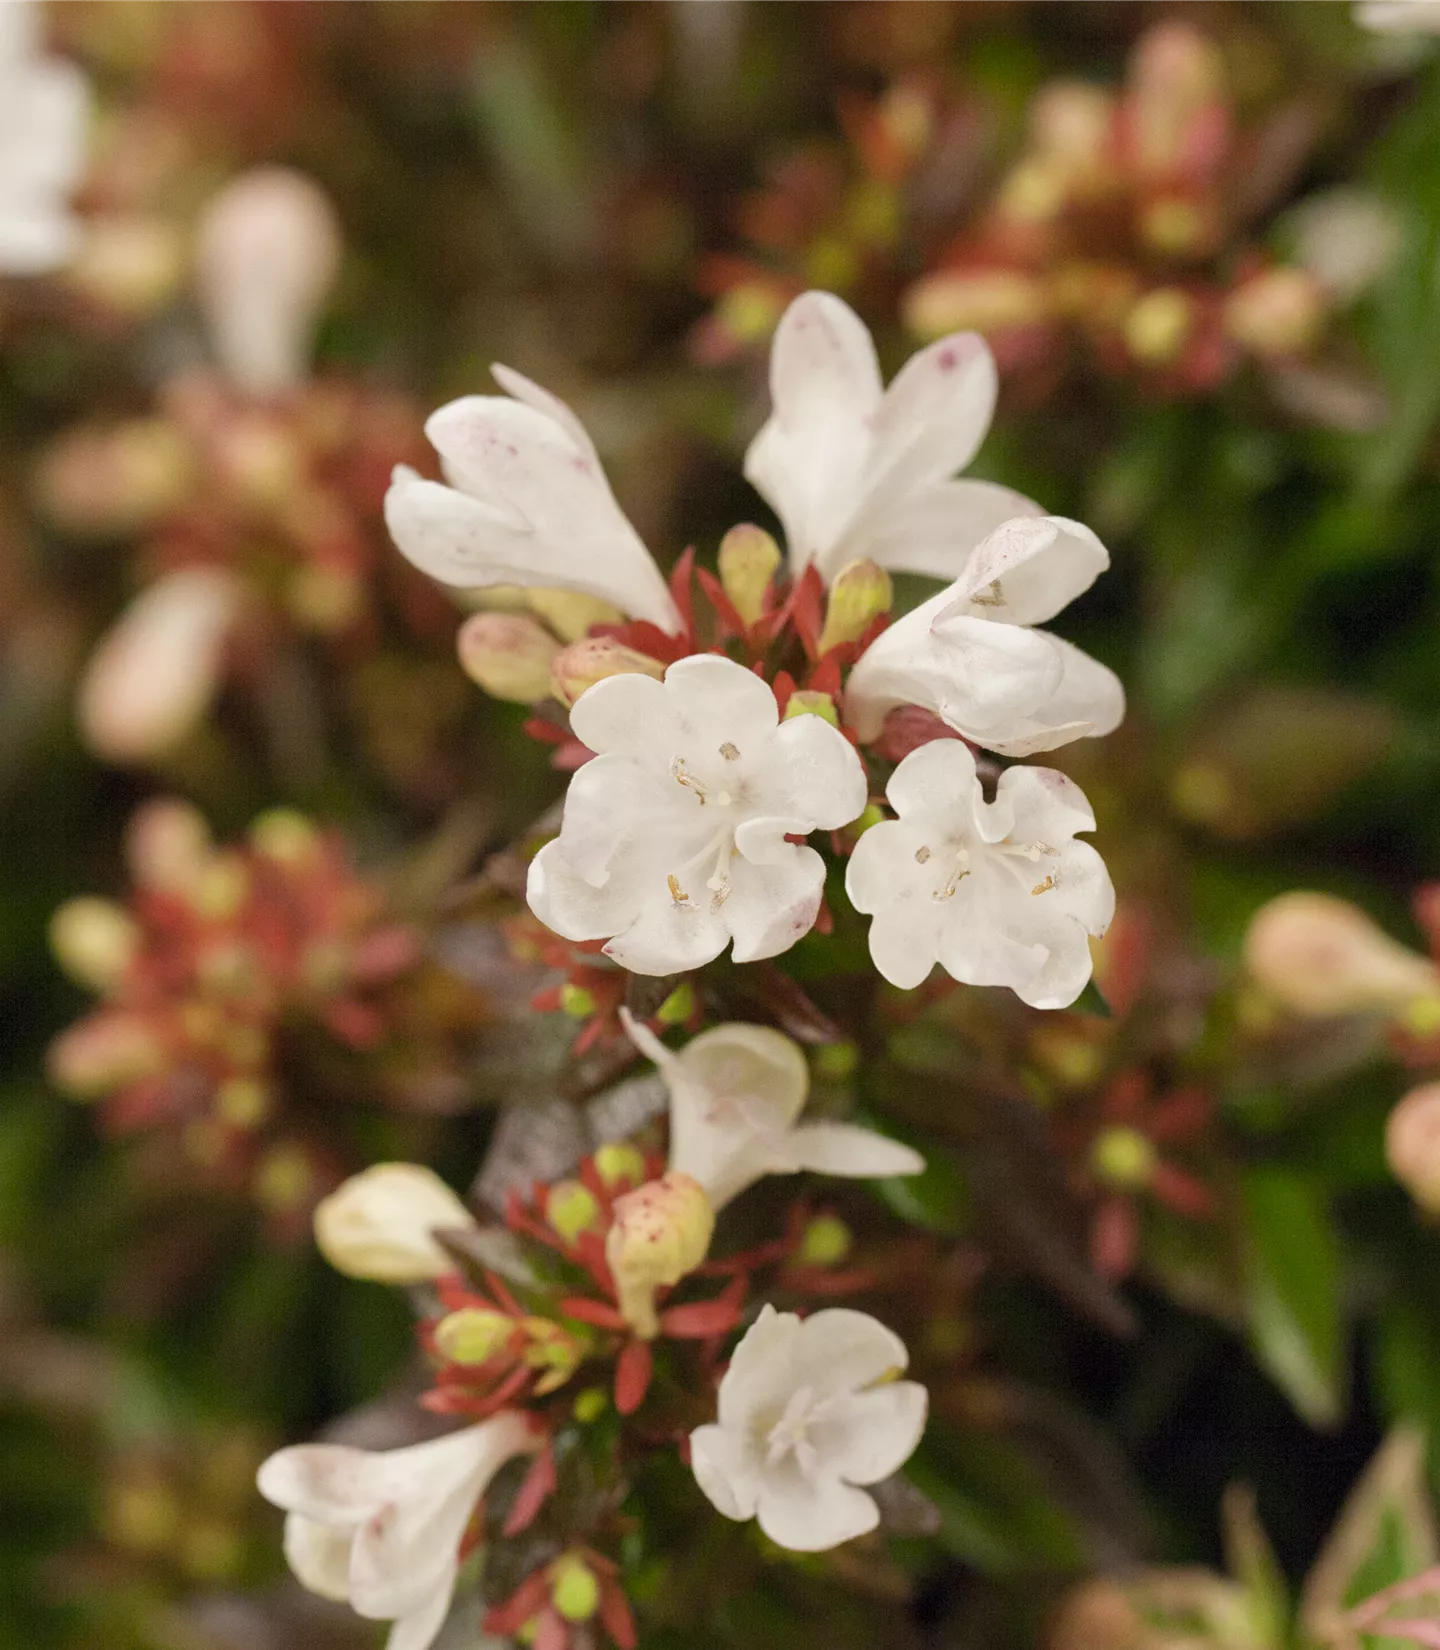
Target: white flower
column 44, row 116
column 808, row 1409
column 969, row 655
column 381, row 1531
column 1399, row 16
column 736, row 1092
column 159, row 665
column 858, row 472
column 674, row 837
column 267, row 251
column 527, row 504
column 999, row 893
column 379, row 1224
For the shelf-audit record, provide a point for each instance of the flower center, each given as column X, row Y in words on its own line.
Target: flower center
column 718, row 848
column 955, row 863
column 789, row 1438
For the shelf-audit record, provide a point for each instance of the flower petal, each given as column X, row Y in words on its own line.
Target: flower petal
column 938, row 780
column 758, row 1062
column 1047, row 804
column 726, row 1471
column 759, row 1377
column 811, row 771
column 666, row 935
column 841, row 1350
column 629, row 715
column 810, row 1516
column 874, row 1433
column 1028, row 569
column 572, row 907
column 846, row 1149
column 935, row 531
column 1087, row 703
column 319, row 1555
column 716, row 701
column 774, row 904
column 418, row 1629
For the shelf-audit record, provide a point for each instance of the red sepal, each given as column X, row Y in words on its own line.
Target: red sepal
column 633, row 1369
column 535, row 1489
column 595, row 1312
column 701, row 1319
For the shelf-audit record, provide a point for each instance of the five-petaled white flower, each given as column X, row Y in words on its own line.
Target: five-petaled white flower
column 969, row 655
column 674, row 840
column 859, row 472
column 736, row 1092
column 999, row 893
column 1399, row 16
column 44, row 119
column 808, row 1410
column 527, row 503
column 382, row 1531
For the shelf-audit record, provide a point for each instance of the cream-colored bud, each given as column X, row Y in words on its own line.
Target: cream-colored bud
column 157, row 668
column 1278, row 312
column 860, row 593
column 981, row 300
column 168, row 845
column 569, row 613
column 1412, row 1145
column 1159, row 326
column 117, row 480
column 661, row 1233
column 574, row 1589
column 1318, row 955
column 379, row 1224
column 749, row 560
column 508, row 654
column 267, row 252
column 286, row 836
column 130, row 262
column 473, row 1335
column 102, row 1053
column 94, row 941
column 582, row 664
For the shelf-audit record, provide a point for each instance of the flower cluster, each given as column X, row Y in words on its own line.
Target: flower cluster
column 712, row 747
column 595, row 1307
column 221, row 959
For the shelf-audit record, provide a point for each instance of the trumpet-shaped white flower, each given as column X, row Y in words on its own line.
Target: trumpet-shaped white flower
column 999, row 893
column 808, row 1410
column 380, row 1224
column 1399, row 16
column 382, row 1531
column 969, row 654
column 736, row 1093
column 527, row 504
column 859, row 472
column 674, row 840
column 44, row 116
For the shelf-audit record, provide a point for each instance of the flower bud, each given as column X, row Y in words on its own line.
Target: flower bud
column 508, row 654
column 102, row 1053
column 979, row 300
column 807, row 702
column 114, row 481
column 576, row 1001
column 826, row 1241
column 94, row 941
column 129, row 262
column 267, row 253
column 860, row 592
column 1278, row 312
column 619, row 1161
column 378, row 1224
column 661, row 1232
column 157, row 668
column 473, row 1335
column 1159, row 325
column 570, row 613
column 571, row 1209
column 1412, row 1145
column 582, row 664
column 1318, row 955
column 1123, row 1158
column 749, row 560
column 168, row 845
column 574, row 1590
column 286, row 836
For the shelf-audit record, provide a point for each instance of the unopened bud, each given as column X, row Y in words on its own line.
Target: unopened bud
column 661, row 1233
column 223, row 887
column 508, row 654
column 825, row 1241
column 582, row 664
column 571, row 1209
column 807, row 702
column 1412, row 1145
column 1159, row 326
column 267, row 253
column 157, row 668
column 860, row 593
column 1278, row 312
column 1176, row 75
column 129, row 262
column 378, row 1224
column 1318, row 955
column 749, row 560
column 168, row 845
column 94, row 941
column 570, row 613
column 242, row 1102
column 285, row 1179
column 286, row 836
column 473, row 1335
column 979, row 300
column 102, row 1053
column 1123, row 1158
column 576, row 1001
column 618, row 1162
column 114, row 481
column 574, row 1590
column 678, row 1006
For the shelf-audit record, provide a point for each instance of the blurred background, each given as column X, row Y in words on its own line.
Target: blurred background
column 248, row 247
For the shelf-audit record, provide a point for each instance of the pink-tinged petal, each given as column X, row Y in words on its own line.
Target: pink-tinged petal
column 774, row 904
column 726, row 1471
column 932, row 419
column 158, row 667
column 1028, row 569
column 1047, row 804
column 847, row 1150
column 812, row 1516
column 872, row 1434
column 521, row 388
column 935, row 531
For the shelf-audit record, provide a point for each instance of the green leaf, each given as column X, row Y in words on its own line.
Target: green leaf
column 1291, row 1269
